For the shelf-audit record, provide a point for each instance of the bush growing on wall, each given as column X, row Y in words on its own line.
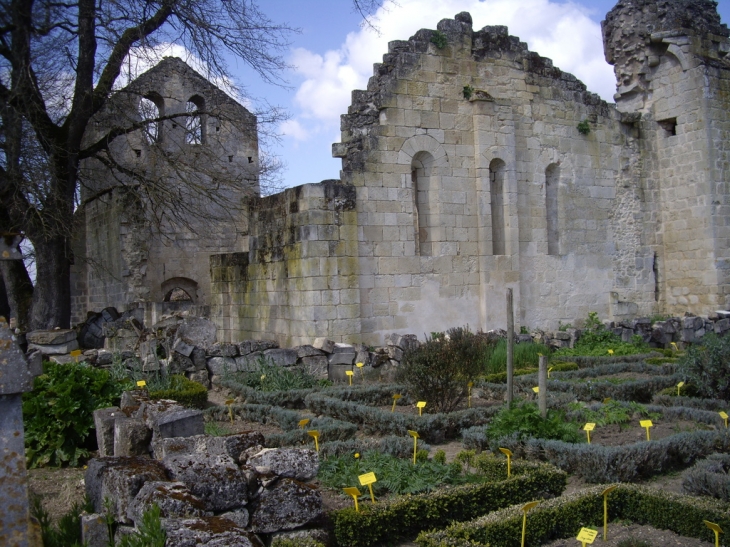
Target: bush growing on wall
column 439, row 370
column 704, row 365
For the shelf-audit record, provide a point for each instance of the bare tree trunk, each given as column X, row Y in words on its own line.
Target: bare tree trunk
column 19, row 291
column 510, row 345
column 51, row 306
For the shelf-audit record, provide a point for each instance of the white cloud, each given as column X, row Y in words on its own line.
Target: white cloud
column 562, row 32
column 294, row 129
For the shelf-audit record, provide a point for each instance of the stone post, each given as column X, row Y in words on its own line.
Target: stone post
column 510, row 345
column 542, row 385
column 16, row 377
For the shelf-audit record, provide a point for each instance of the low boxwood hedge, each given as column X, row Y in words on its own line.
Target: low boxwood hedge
column 408, row 515
column 186, row 392
column 564, row 517
column 292, row 398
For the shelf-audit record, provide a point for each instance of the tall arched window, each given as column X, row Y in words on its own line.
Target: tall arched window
column 152, row 107
column 552, row 179
column 496, row 190
column 424, row 213
column 194, row 121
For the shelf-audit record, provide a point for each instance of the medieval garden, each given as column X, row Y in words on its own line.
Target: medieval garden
column 505, row 325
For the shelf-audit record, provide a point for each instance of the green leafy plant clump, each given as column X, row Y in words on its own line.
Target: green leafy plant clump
column 269, row 377
column 58, row 412
column 524, row 421
column 67, row 532
column 439, row 370
column 186, row 392
column 439, row 39
column 704, row 365
column 468, row 91
column 597, row 340
column 584, row 127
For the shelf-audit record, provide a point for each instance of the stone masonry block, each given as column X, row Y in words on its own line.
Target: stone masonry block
column 324, row 344
column 104, row 424
column 131, row 436
column 179, row 423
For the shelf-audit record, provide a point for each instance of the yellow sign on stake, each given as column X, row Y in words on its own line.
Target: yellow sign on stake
column 303, row 423
column 349, row 375
column 367, row 480
column 420, row 405
column 355, row 493
column 507, row 453
column 141, row 383
column 586, row 535
column 229, row 402
column 550, row 370
column 414, row 434
column 724, row 416
column 360, row 365
column 315, row 436
column 606, row 492
column 395, row 398
column 76, row 354
column 679, row 386
column 590, row 426
column 525, row 509
column 536, row 389
column 646, row 424
column 715, row 528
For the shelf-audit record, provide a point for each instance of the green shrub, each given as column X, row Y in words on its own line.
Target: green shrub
column 526, row 356
column 597, row 340
column 704, row 365
column 689, row 402
column 563, row 517
column 439, row 39
column 67, row 533
column 439, row 370
column 399, row 447
column 293, row 398
column 58, row 412
column 408, row 515
column 613, row 412
column 524, row 420
column 184, row 391
column 709, row 477
column 149, row 532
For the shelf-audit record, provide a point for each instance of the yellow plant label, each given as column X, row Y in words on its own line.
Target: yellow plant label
column 608, row 490
column 75, row 353
column 352, row 491
column 313, row 433
column 536, row 389
column 367, row 478
column 141, row 383
column 421, row 404
column 529, row 506
column 397, row 396
column 712, row 526
column 723, row 415
column 586, row 535
column 646, row 423
column 229, row 402
column 680, row 384
column 413, row 434
column 349, row 372
column 470, row 385
column 303, row 422
column 590, row 426
column 607, row 400
column 359, row 365
column 506, row 451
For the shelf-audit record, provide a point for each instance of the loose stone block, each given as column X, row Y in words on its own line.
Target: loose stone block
column 131, row 436
column 281, row 357
column 301, row 464
column 173, row 498
column 179, row 423
column 286, row 505
column 324, row 344
column 51, row 337
column 104, row 419
column 94, row 530
column 211, row 531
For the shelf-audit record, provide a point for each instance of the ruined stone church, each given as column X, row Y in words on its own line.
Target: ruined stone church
column 467, row 169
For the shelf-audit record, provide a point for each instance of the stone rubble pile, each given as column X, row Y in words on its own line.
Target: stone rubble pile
column 227, row 490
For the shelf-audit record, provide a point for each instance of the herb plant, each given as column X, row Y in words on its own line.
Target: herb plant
column 267, row 376
column 704, row 366
column 439, row 39
column 524, row 421
column 58, row 413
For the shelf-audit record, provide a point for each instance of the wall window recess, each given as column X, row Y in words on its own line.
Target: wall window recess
column 151, row 108
column 552, row 180
column 195, row 120
column 496, row 191
column 669, row 125
column 424, row 213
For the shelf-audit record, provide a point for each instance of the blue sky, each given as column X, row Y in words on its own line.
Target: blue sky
column 334, row 54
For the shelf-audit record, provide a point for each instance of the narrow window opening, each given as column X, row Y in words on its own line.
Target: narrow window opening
column 250, row 159
column 230, row 159
column 151, row 107
column 194, row 121
column 217, row 128
column 416, row 227
column 425, row 218
column 177, row 295
column 496, row 189
column 669, row 125
column 552, row 178
column 655, row 269
column 138, row 153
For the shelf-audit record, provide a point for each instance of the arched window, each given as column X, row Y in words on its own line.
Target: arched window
column 194, row 120
column 152, row 107
column 496, row 190
column 179, row 289
column 552, row 179
column 424, row 213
